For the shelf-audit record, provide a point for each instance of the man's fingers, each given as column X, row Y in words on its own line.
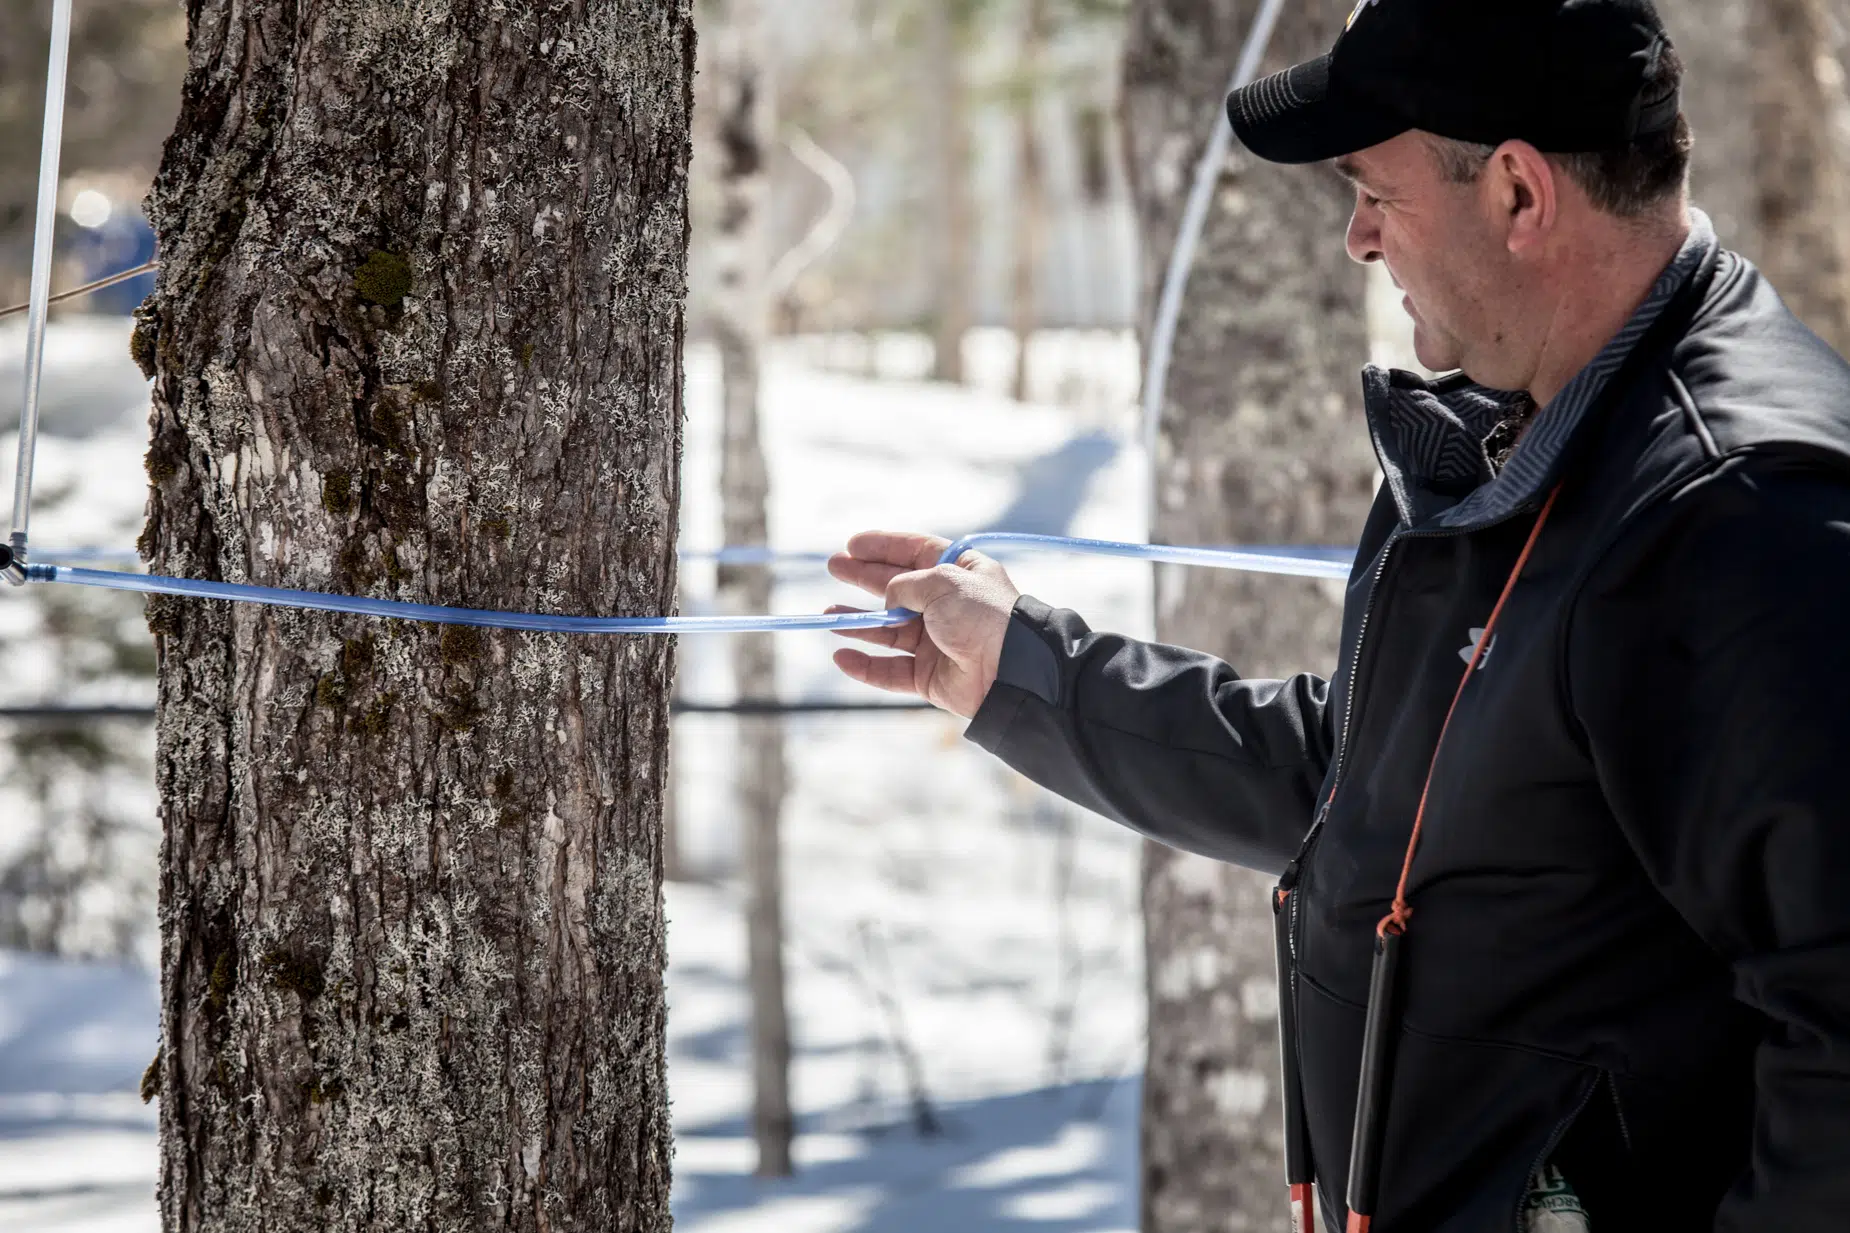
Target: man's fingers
column 870, row 576
column 893, row 673
column 875, row 558
column 898, row 548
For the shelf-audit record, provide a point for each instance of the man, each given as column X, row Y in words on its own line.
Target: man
column 1626, row 913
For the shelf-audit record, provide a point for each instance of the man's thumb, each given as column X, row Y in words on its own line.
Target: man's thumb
column 918, row 588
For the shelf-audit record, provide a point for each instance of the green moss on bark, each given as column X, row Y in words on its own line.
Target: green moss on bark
column 293, row 974
column 377, row 718
column 337, row 492
column 144, row 343
column 222, row 981
column 462, row 644
column 384, row 278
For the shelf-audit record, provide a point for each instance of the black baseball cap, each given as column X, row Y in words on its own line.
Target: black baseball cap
column 1568, row 76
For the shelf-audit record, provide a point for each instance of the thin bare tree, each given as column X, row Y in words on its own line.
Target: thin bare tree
column 740, row 61
column 947, row 24
column 1030, row 189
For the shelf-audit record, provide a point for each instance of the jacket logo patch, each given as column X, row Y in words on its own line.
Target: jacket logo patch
column 1477, row 636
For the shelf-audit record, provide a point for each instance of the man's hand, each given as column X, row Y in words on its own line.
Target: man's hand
column 950, row 656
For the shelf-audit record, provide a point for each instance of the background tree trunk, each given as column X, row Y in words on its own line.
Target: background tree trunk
column 1030, row 192
column 1712, row 37
column 417, row 334
column 945, row 22
column 1262, row 442
column 742, row 82
column 1799, row 164
column 1765, row 97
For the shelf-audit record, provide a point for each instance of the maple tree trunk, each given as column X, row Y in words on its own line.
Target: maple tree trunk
column 1261, row 443
column 417, row 335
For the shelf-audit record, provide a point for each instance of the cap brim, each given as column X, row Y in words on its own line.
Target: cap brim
column 1291, row 117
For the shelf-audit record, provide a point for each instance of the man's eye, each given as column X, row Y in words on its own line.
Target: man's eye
column 1370, row 200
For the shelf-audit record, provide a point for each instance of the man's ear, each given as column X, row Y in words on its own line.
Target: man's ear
column 1524, row 182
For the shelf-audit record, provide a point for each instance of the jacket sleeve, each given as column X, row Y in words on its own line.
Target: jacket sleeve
column 1167, row 741
column 1712, row 676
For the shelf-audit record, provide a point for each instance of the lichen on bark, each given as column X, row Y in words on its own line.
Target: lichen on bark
column 417, row 334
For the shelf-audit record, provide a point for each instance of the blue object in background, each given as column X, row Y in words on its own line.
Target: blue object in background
column 120, row 242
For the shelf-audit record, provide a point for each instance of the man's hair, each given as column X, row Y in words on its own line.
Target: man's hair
column 1628, row 181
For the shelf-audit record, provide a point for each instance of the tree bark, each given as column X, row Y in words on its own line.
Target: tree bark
column 1030, row 193
column 950, row 104
column 417, row 334
column 674, row 859
column 1799, row 165
column 1261, row 443
column 1765, row 96
column 1711, row 36
column 741, row 318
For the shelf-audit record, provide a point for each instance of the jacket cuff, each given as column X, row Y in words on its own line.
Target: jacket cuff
column 1028, row 669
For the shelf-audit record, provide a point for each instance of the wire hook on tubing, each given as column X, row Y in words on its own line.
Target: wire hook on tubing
column 828, row 229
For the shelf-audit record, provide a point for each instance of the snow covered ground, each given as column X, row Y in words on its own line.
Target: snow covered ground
column 941, row 909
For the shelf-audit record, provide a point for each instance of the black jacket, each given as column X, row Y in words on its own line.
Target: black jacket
column 1630, row 943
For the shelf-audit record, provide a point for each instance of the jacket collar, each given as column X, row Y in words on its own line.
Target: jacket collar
column 1429, row 435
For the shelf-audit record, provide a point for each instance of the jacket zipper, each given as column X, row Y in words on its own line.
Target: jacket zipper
column 1295, row 1131
column 1288, row 881
column 1618, row 1108
column 1294, row 870
column 1548, row 1148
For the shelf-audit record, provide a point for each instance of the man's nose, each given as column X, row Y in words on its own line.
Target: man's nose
column 1364, row 238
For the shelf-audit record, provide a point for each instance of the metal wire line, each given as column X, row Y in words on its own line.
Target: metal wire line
column 108, row 280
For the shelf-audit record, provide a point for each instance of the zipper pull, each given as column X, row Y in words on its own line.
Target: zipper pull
column 1287, row 882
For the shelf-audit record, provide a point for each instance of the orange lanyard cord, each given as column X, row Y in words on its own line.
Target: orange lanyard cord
column 1396, row 920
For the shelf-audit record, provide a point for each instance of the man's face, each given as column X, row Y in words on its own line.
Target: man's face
column 1443, row 246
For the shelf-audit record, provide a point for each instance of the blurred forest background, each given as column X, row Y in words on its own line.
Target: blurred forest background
column 950, row 218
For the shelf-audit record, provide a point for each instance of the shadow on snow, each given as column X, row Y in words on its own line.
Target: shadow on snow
column 1057, row 1160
